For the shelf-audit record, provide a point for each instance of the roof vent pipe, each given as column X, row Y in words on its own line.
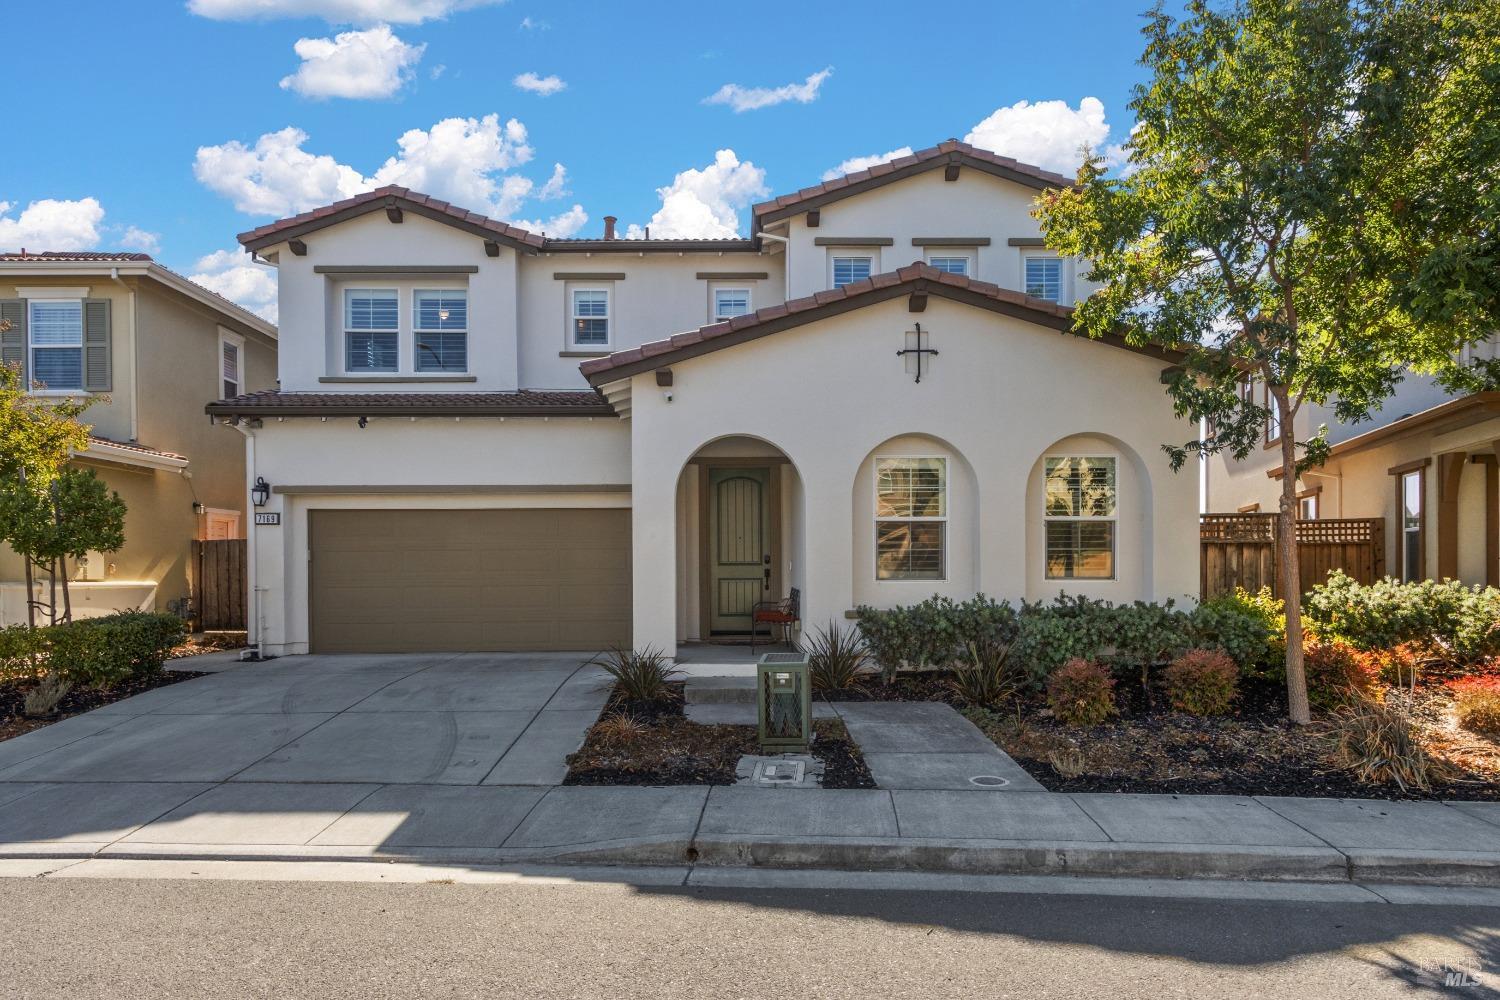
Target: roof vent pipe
column 609, row 227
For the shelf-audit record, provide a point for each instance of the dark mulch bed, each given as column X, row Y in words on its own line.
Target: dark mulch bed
column 1252, row 751
column 653, row 743
column 207, row 642
column 13, row 698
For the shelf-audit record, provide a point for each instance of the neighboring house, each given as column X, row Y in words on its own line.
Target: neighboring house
column 1426, row 464
column 151, row 346
column 485, row 439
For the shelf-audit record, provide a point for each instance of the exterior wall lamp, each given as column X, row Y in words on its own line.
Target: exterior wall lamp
column 260, row 492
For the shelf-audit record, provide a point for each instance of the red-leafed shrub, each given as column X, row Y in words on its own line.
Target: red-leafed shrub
column 1477, row 702
column 1336, row 672
column 1081, row 693
column 1201, row 682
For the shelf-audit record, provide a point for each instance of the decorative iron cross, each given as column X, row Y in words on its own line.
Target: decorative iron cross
column 917, row 351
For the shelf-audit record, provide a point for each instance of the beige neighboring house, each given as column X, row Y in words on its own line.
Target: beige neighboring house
column 152, row 346
column 1426, row 464
column 485, row 439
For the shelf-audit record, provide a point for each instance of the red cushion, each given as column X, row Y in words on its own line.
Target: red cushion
column 775, row 616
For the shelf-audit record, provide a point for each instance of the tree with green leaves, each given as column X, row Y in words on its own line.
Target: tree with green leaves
column 1309, row 206
column 74, row 515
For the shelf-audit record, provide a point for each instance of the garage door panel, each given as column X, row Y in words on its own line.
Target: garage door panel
column 436, row 580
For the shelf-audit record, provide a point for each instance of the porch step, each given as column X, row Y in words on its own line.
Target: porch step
column 700, row 690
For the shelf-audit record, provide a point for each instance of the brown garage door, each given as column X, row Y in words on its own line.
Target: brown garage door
column 430, row 580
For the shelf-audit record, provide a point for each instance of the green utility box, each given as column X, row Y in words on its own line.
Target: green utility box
column 784, row 695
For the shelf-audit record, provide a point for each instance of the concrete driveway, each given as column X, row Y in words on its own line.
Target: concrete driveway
column 447, row 719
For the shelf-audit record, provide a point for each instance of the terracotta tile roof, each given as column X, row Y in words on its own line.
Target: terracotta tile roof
column 137, row 448
column 951, row 151
column 914, row 278
column 392, row 196
column 526, row 402
column 87, row 256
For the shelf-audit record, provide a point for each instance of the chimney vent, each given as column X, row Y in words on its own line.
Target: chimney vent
column 609, row 227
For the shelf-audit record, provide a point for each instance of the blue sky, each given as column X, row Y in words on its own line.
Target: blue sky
column 173, row 115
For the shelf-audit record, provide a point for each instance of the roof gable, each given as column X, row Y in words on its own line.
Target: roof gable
column 917, row 280
column 952, row 156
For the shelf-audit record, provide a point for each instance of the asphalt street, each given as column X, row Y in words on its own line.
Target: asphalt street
column 160, row 937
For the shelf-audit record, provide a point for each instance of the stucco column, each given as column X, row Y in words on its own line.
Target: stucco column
column 829, row 544
column 1450, row 474
column 653, row 545
column 1002, row 522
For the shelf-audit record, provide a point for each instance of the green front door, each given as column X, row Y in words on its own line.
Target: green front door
column 739, row 561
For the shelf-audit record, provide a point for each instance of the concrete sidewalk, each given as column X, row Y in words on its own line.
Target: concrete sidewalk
column 1015, row 833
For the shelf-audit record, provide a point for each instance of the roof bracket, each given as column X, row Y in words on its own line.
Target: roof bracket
column 393, row 212
column 950, row 172
column 491, row 248
column 299, row 248
column 814, row 217
column 917, row 302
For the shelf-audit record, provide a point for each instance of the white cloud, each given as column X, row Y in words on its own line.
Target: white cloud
column 705, row 204
column 232, row 274
column 855, row 163
column 533, row 24
column 557, row 184
column 136, row 238
column 457, row 160
column 542, row 86
column 437, row 70
column 1046, row 134
column 561, row 226
column 751, row 98
column 357, row 64
column 52, row 224
column 276, row 176
column 334, row 11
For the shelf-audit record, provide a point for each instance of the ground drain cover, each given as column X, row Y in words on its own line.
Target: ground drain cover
column 989, row 780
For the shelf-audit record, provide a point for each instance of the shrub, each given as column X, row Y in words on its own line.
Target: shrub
column 1399, row 666
column 1251, row 628
column 100, row 652
column 1130, row 636
column 42, row 700
column 1476, row 700
column 619, row 727
column 21, row 652
column 1081, row 693
column 1376, row 741
column 986, row 679
column 641, row 675
column 835, row 657
column 1335, row 674
column 1202, row 682
column 934, row 633
column 1462, row 624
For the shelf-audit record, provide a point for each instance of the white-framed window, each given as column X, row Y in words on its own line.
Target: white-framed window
column 1081, row 499
column 1413, row 540
column 440, row 330
column 372, row 330
column 1273, row 418
column 231, row 364
column 849, row 269
column 589, row 315
column 911, row 518
column 731, row 302
column 1043, row 277
column 953, row 262
column 1307, row 507
column 55, row 328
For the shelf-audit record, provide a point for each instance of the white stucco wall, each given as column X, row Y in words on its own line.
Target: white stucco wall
column 829, row 395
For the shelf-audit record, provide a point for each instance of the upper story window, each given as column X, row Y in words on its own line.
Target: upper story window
column 231, row 364
column 1044, row 278
column 1273, row 418
column 440, row 330
column 847, row 270
column 590, row 317
column 371, row 330
column 731, row 302
column 1409, row 495
column 1080, row 497
column 911, row 518
column 56, row 332
column 952, row 263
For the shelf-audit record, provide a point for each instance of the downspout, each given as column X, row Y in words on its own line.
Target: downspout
column 253, row 620
column 135, row 358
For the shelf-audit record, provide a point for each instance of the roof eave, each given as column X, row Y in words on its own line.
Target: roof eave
column 225, row 408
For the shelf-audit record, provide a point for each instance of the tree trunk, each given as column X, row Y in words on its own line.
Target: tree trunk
column 52, row 591
column 30, row 596
column 1291, row 571
column 67, row 596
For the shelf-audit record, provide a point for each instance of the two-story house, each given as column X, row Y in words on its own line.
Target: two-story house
column 1425, row 464
column 486, row 439
column 150, row 346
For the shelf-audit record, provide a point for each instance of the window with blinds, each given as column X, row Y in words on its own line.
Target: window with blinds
column 1081, row 500
column 911, row 518
column 371, row 330
column 229, row 368
column 731, row 302
column 56, row 330
column 951, row 263
column 590, row 317
column 847, row 270
column 1044, row 278
column 440, row 330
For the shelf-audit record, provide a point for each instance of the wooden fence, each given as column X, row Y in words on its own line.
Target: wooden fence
column 220, row 583
column 1239, row 550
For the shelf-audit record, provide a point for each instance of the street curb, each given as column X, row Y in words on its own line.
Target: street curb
column 969, row 857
